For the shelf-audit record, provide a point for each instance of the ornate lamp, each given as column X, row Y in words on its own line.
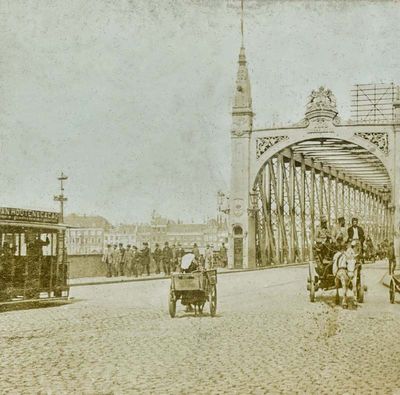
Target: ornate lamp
column 253, row 196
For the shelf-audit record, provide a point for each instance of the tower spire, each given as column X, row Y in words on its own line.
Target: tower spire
column 241, row 23
column 242, row 100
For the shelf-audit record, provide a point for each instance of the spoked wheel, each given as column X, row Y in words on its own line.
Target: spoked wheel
column 172, row 304
column 337, row 299
column 392, row 291
column 311, row 285
column 213, row 300
column 312, row 291
column 360, row 290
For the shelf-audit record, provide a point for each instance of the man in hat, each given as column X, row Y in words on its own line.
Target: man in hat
column 196, row 251
column 356, row 233
column 223, row 254
column 174, row 258
column 167, row 257
column 107, row 259
column 157, row 256
column 121, row 266
column 208, row 257
column 136, row 261
column 322, row 246
column 128, row 257
column 114, row 260
column 339, row 234
column 180, row 253
column 145, row 257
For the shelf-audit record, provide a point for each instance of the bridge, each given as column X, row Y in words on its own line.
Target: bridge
column 283, row 179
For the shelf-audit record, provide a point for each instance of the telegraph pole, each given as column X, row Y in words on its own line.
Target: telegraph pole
column 61, row 198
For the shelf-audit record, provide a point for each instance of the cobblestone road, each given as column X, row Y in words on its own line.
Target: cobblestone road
column 266, row 338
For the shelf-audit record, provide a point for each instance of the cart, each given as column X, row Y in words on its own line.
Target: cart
column 194, row 288
column 325, row 280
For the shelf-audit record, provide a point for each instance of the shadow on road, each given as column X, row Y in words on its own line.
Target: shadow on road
column 330, row 300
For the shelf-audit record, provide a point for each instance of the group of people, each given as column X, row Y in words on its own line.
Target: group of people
column 131, row 261
column 341, row 239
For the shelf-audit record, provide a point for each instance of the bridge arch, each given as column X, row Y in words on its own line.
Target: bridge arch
column 304, row 179
column 272, row 171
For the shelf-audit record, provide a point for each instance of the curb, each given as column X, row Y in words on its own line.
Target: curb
column 131, row 280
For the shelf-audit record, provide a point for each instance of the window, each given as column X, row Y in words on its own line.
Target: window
column 237, row 230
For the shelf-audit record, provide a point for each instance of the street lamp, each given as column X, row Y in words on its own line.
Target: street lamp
column 61, row 198
column 253, row 196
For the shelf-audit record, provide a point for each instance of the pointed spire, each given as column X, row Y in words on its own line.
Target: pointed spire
column 242, row 101
column 241, row 24
column 243, row 90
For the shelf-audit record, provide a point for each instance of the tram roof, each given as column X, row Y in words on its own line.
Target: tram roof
column 26, row 218
column 346, row 158
column 27, row 225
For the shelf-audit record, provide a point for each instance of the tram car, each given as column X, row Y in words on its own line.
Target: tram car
column 33, row 259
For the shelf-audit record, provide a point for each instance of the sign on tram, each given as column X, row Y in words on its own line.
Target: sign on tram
column 24, row 215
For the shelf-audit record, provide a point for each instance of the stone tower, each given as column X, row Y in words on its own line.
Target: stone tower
column 241, row 230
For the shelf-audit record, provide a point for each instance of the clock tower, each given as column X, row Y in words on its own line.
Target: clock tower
column 241, row 225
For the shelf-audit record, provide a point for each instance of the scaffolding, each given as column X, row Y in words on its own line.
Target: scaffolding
column 372, row 103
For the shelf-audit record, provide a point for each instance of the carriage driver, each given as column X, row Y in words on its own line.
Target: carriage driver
column 339, row 234
column 322, row 243
column 356, row 233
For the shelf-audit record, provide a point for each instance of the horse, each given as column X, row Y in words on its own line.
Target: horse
column 345, row 277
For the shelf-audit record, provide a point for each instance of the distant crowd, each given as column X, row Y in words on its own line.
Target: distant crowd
column 131, row 261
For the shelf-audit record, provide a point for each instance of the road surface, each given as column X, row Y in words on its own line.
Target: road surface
column 267, row 338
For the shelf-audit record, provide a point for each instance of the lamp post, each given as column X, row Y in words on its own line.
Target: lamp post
column 253, row 203
column 61, row 198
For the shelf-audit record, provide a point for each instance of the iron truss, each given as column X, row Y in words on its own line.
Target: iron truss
column 315, row 178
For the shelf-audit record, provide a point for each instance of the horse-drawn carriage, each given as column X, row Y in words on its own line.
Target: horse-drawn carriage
column 194, row 289
column 333, row 269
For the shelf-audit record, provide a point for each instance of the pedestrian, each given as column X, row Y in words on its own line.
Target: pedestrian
column 107, row 259
column 224, row 255
column 174, row 258
column 208, row 257
column 114, row 260
column 136, row 261
column 121, row 260
column 196, row 251
column 180, row 253
column 157, row 256
column 128, row 261
column 167, row 257
column 145, row 258
column 391, row 256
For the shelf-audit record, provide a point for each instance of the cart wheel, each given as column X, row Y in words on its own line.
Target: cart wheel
column 312, row 291
column 392, row 291
column 337, row 298
column 213, row 300
column 360, row 293
column 172, row 304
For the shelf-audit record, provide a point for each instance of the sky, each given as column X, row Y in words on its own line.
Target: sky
column 132, row 98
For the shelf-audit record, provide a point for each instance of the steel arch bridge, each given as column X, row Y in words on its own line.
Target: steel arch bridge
column 283, row 179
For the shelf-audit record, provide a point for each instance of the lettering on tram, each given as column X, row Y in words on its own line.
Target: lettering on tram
column 33, row 261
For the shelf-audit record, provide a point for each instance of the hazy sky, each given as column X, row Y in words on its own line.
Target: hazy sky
column 132, row 99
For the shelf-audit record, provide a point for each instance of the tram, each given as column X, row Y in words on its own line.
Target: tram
column 33, row 259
